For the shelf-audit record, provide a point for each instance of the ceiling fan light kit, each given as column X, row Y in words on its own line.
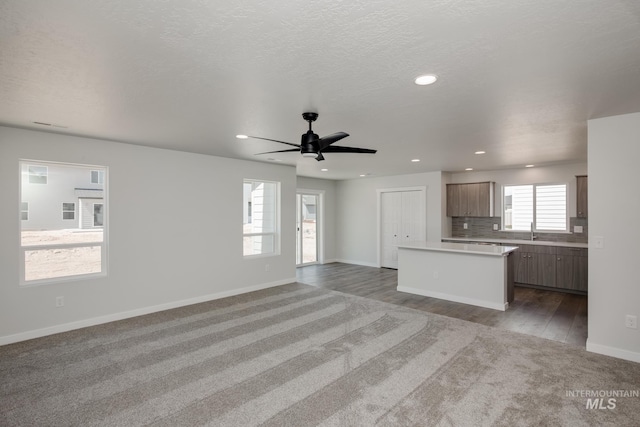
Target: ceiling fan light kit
column 313, row 146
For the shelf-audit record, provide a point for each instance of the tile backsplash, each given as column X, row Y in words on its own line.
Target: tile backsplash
column 483, row 228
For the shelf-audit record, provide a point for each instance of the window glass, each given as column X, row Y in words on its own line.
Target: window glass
column 97, row 177
column 260, row 217
column 55, row 246
column 68, row 211
column 541, row 206
column 38, row 174
column 24, row 211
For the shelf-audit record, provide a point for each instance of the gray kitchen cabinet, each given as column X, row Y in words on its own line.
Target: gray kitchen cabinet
column 472, row 199
column 572, row 269
column 582, row 199
column 535, row 265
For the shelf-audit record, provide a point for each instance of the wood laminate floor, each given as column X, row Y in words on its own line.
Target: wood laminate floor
column 547, row 314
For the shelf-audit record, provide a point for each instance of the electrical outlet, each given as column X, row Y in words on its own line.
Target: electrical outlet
column 495, row 227
column 465, row 225
column 59, row 301
column 631, row 321
column 435, row 274
column 267, row 267
column 577, row 229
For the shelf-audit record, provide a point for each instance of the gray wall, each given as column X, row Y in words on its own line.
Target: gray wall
column 357, row 215
column 614, row 203
column 175, row 234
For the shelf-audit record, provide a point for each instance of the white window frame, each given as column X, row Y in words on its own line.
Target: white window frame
column 275, row 234
column 64, row 211
column 103, row 244
column 534, row 212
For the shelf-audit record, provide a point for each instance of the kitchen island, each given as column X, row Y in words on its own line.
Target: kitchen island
column 475, row 274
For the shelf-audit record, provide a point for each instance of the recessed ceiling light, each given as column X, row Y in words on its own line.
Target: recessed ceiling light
column 529, row 166
column 242, row 136
column 324, row 170
column 469, row 169
column 426, row 79
column 362, row 174
column 415, row 160
column 481, row 152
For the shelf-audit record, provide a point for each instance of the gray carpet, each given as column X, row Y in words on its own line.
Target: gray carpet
column 296, row 355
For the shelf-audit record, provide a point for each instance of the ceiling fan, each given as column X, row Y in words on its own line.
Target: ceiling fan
column 313, row 146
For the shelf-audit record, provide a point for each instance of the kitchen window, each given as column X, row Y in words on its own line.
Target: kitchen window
column 261, row 210
column 541, row 206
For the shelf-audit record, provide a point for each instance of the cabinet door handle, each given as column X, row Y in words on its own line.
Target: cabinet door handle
column 558, row 259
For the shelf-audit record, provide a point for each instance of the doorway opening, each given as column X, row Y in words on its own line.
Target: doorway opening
column 307, row 228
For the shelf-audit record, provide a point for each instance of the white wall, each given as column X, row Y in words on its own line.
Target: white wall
column 175, row 233
column 614, row 203
column 328, row 220
column 556, row 174
column 357, row 216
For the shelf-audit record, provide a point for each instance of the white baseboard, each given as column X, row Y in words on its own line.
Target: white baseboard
column 365, row 264
column 613, row 351
column 455, row 298
column 65, row 327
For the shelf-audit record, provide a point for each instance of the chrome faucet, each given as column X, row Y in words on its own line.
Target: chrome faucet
column 533, row 236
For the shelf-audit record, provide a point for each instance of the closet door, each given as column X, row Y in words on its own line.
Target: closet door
column 391, row 218
column 402, row 221
column 411, row 221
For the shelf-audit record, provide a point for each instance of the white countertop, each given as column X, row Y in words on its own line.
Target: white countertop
column 518, row 242
column 460, row 247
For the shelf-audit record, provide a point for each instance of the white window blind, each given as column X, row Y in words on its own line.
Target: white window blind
column 543, row 205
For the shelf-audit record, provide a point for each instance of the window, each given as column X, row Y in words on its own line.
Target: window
column 260, row 217
column 543, row 206
column 38, row 174
column 68, row 211
column 97, row 177
column 24, row 211
column 56, row 247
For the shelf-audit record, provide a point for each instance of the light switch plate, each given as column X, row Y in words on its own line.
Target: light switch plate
column 465, row 225
column 598, row 242
column 495, row 227
column 577, row 229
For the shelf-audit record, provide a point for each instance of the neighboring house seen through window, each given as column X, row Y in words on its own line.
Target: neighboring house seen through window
column 541, row 206
column 261, row 205
column 56, row 247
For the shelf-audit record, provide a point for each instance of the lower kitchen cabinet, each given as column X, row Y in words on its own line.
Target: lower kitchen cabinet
column 552, row 266
column 572, row 268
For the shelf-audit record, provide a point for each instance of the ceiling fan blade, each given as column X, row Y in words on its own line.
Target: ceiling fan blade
column 274, row 140
column 320, row 157
column 339, row 149
column 279, row 151
column 326, row 141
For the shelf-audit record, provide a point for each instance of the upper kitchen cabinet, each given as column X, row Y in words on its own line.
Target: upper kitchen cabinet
column 473, row 199
column 582, row 202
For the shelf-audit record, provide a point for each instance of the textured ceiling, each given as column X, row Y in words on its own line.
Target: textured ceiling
column 518, row 79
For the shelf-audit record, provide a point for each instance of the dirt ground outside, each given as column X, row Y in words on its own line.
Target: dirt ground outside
column 61, row 260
